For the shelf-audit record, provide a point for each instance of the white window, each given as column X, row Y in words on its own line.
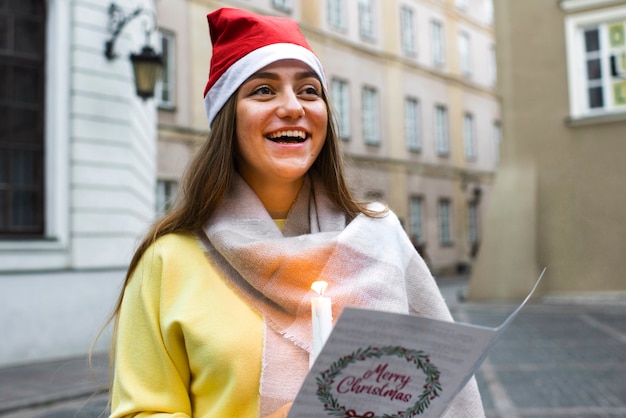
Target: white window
column 493, row 66
column 596, row 49
column 340, row 95
column 284, row 5
column 489, row 11
column 407, row 30
column 472, row 221
column 465, row 54
column 371, row 134
column 164, row 90
column 165, row 195
column 366, row 19
column 469, row 139
column 442, row 142
column 497, row 140
column 437, row 42
column 337, row 14
column 412, row 124
column 461, row 4
column 443, row 213
column 415, row 218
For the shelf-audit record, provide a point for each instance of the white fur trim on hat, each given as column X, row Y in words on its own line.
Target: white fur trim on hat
column 239, row 72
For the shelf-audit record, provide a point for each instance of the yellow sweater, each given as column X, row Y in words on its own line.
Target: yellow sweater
column 187, row 345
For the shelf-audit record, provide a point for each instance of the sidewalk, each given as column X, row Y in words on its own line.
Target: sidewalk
column 26, row 388
column 559, row 358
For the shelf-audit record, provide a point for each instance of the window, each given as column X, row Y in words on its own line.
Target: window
column 371, row 135
column 469, row 139
column 472, row 222
column 442, row 142
column 337, row 14
column 493, row 66
column 596, row 49
column 284, row 5
column 461, row 4
column 340, row 94
column 497, row 140
column 464, row 54
column 164, row 90
column 489, row 11
column 407, row 30
column 443, row 213
column 22, row 66
column 165, row 195
column 412, row 124
column 437, row 43
column 416, row 217
column 366, row 19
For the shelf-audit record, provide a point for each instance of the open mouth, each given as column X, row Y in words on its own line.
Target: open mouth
column 288, row 137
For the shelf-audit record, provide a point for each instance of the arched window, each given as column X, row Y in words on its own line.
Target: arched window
column 22, row 65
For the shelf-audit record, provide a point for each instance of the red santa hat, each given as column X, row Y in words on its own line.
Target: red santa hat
column 243, row 43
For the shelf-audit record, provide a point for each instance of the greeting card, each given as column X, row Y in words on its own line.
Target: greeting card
column 388, row 365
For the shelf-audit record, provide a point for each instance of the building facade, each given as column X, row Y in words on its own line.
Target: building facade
column 413, row 85
column 559, row 198
column 77, row 172
column 86, row 165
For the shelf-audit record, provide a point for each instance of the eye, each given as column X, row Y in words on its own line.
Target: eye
column 310, row 91
column 262, row 90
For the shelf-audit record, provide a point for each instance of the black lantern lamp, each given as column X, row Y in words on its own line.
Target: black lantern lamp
column 147, row 64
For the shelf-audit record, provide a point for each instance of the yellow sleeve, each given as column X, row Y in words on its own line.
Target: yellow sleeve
column 149, row 379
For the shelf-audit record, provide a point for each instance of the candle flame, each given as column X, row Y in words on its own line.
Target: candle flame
column 319, row 287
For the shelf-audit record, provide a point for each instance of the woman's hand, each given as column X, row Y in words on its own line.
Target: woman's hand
column 281, row 412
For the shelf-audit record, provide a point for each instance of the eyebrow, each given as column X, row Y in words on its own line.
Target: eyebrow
column 274, row 76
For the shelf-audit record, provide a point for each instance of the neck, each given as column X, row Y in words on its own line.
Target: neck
column 277, row 198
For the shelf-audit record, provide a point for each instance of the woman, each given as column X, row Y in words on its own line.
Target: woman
column 214, row 319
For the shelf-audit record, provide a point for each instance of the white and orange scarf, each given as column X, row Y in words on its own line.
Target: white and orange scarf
column 368, row 262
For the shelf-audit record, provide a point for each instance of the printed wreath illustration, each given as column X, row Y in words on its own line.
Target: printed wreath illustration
column 432, row 386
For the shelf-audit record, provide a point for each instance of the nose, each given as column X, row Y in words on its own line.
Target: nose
column 290, row 106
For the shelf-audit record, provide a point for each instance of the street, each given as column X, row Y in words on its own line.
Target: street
column 557, row 359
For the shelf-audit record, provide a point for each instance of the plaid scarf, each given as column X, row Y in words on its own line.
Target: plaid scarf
column 368, row 262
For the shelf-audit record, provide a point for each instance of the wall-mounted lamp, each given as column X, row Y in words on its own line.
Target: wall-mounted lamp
column 147, row 64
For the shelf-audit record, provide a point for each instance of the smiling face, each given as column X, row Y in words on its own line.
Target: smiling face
column 281, row 124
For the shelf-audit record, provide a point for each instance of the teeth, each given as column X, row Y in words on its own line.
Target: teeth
column 290, row 134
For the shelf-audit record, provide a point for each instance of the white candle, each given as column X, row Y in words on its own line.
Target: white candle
column 322, row 318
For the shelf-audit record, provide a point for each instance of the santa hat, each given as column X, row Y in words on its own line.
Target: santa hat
column 243, row 43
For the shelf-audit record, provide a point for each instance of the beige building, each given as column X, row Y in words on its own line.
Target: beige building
column 413, row 83
column 559, row 199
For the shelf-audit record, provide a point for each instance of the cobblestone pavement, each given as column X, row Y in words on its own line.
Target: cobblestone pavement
column 557, row 359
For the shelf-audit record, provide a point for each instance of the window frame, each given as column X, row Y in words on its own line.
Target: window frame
column 472, row 222
column 575, row 27
column 416, row 218
column 56, row 128
column 444, row 221
column 336, row 14
column 442, row 131
column 165, row 195
column 497, row 140
column 366, row 20
column 469, row 136
column 23, row 158
column 370, row 115
column 413, row 125
column 340, row 96
column 437, row 43
column 465, row 53
column 407, row 30
column 283, row 5
column 169, row 69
